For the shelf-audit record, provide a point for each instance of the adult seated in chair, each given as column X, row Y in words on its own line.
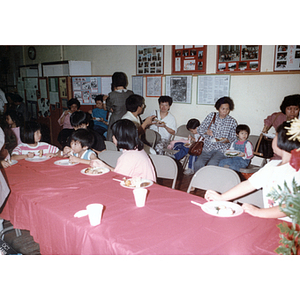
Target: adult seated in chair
column 135, row 105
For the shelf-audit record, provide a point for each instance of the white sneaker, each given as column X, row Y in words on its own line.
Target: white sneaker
column 188, row 172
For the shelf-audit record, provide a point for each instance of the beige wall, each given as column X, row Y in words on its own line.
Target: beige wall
column 255, row 95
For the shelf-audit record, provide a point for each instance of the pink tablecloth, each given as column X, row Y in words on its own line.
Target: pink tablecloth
column 46, row 196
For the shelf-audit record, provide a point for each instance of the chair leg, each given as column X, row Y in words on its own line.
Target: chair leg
column 185, row 161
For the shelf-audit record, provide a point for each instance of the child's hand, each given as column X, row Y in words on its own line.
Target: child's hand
column 242, row 154
column 5, row 164
column 50, row 154
column 30, row 154
column 66, row 152
column 74, row 159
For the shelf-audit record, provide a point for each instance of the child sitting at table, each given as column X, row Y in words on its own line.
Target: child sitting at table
column 244, row 148
column 272, row 175
column 183, row 145
column 31, row 137
column 134, row 162
column 81, row 142
column 81, row 120
column 99, row 115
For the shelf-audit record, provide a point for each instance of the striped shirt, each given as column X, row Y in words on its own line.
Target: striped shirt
column 221, row 128
column 23, row 149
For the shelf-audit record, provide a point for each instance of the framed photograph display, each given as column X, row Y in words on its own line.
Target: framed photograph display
column 238, row 58
column 188, row 59
column 150, row 60
column 153, row 86
column 212, row 87
column 287, row 57
column 85, row 89
column 179, row 88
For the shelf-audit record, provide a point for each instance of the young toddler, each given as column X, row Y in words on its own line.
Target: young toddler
column 81, row 142
column 183, row 145
column 31, row 137
column 245, row 148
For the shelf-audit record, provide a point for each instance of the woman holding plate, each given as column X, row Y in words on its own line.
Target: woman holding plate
column 218, row 131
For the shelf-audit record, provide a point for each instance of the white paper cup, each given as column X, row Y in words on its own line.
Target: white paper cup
column 95, row 213
column 140, row 196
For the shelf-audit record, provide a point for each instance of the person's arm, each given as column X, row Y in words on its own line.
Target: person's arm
column 271, row 212
column 148, row 121
column 94, row 163
column 22, row 156
column 239, row 190
column 74, row 159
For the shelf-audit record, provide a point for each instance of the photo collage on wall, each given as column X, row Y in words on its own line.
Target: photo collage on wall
column 188, row 59
column 150, row 60
column 287, row 57
column 238, row 58
column 85, row 89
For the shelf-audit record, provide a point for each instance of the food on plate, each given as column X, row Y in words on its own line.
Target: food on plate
column 222, row 210
column 156, row 121
column 41, row 153
column 232, row 153
column 93, row 171
column 133, row 182
column 220, row 139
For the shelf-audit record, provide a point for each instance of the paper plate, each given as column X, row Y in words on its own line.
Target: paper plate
column 144, row 183
column 37, row 158
column 220, row 209
column 100, row 170
column 232, row 153
column 65, row 163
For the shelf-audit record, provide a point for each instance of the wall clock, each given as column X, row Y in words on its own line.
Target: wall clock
column 32, row 53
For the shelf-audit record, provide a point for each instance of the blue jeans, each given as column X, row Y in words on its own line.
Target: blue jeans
column 235, row 163
column 183, row 151
column 208, row 158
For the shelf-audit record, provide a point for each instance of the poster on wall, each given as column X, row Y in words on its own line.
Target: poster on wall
column 238, row 58
column 212, row 87
column 188, row 59
column 150, row 60
column 287, row 57
column 137, row 85
column 153, row 86
column 179, row 88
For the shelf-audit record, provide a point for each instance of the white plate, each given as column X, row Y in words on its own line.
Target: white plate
column 144, row 183
column 37, row 158
column 65, row 163
column 104, row 171
column 232, row 153
column 210, row 208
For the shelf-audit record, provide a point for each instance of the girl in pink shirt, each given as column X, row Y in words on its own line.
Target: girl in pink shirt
column 134, row 162
column 31, row 146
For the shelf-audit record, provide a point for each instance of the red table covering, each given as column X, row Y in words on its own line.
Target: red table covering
column 44, row 198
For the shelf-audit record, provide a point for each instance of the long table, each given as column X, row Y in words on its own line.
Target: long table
column 45, row 196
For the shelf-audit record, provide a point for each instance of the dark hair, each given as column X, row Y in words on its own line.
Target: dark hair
column 283, row 141
column 119, row 79
column 27, row 132
column 79, row 117
column 126, row 134
column 224, row 100
column 15, row 116
column 289, row 101
column 133, row 102
column 163, row 99
column 73, row 101
column 192, row 124
column 16, row 98
column 241, row 127
column 99, row 98
column 84, row 136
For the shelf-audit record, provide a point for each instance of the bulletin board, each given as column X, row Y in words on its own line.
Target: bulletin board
column 153, row 86
column 238, row 58
column 179, row 88
column 188, row 59
column 150, row 59
column 85, row 89
column 287, row 57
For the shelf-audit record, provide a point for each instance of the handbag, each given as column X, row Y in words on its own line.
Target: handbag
column 196, row 148
column 263, row 147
